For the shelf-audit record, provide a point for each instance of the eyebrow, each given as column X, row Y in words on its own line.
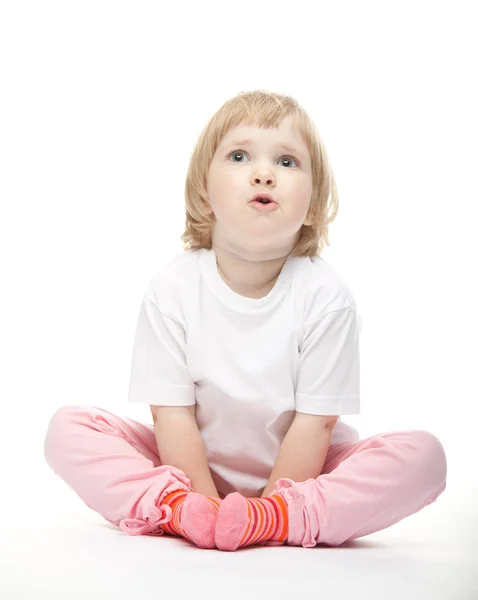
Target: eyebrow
column 251, row 142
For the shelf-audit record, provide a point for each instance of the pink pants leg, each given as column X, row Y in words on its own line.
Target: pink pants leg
column 112, row 463
column 364, row 487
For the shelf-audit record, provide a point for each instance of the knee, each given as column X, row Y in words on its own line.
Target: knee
column 61, row 417
column 431, row 457
column 58, row 430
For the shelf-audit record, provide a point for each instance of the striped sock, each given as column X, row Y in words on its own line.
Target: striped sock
column 268, row 520
column 201, row 532
column 247, row 521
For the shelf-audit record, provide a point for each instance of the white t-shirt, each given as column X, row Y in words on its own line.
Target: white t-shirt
column 249, row 364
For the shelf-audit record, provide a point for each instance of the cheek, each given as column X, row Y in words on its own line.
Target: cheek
column 297, row 210
column 300, row 184
column 302, row 196
column 221, row 179
column 226, row 190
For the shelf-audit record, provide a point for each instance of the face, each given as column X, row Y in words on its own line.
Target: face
column 274, row 162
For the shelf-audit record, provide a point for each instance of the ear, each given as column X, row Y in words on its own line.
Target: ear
column 308, row 221
column 208, row 208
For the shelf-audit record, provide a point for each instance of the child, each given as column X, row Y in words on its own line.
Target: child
column 247, row 351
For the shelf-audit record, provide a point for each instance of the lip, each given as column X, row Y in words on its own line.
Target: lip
column 264, row 207
column 268, row 196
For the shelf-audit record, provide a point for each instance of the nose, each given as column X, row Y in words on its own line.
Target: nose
column 263, row 179
column 263, row 175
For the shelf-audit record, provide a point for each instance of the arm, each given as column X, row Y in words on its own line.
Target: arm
column 180, row 445
column 304, row 449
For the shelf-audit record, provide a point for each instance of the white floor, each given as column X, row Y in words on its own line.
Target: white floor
column 53, row 547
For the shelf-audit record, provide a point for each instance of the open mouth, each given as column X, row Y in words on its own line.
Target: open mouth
column 263, row 200
column 264, row 205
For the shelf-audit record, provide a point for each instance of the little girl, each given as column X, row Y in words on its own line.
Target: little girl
column 247, row 352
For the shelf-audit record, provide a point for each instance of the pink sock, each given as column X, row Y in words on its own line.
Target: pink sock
column 247, row 521
column 194, row 517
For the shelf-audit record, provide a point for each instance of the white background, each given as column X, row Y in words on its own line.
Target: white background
column 101, row 104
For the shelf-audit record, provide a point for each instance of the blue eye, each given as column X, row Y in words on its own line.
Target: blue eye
column 234, row 152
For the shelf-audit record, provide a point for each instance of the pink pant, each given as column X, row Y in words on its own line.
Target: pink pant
column 112, row 463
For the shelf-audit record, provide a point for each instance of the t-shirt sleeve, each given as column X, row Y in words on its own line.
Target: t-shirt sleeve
column 328, row 380
column 159, row 373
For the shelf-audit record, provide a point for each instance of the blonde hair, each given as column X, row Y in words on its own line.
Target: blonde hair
column 261, row 109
